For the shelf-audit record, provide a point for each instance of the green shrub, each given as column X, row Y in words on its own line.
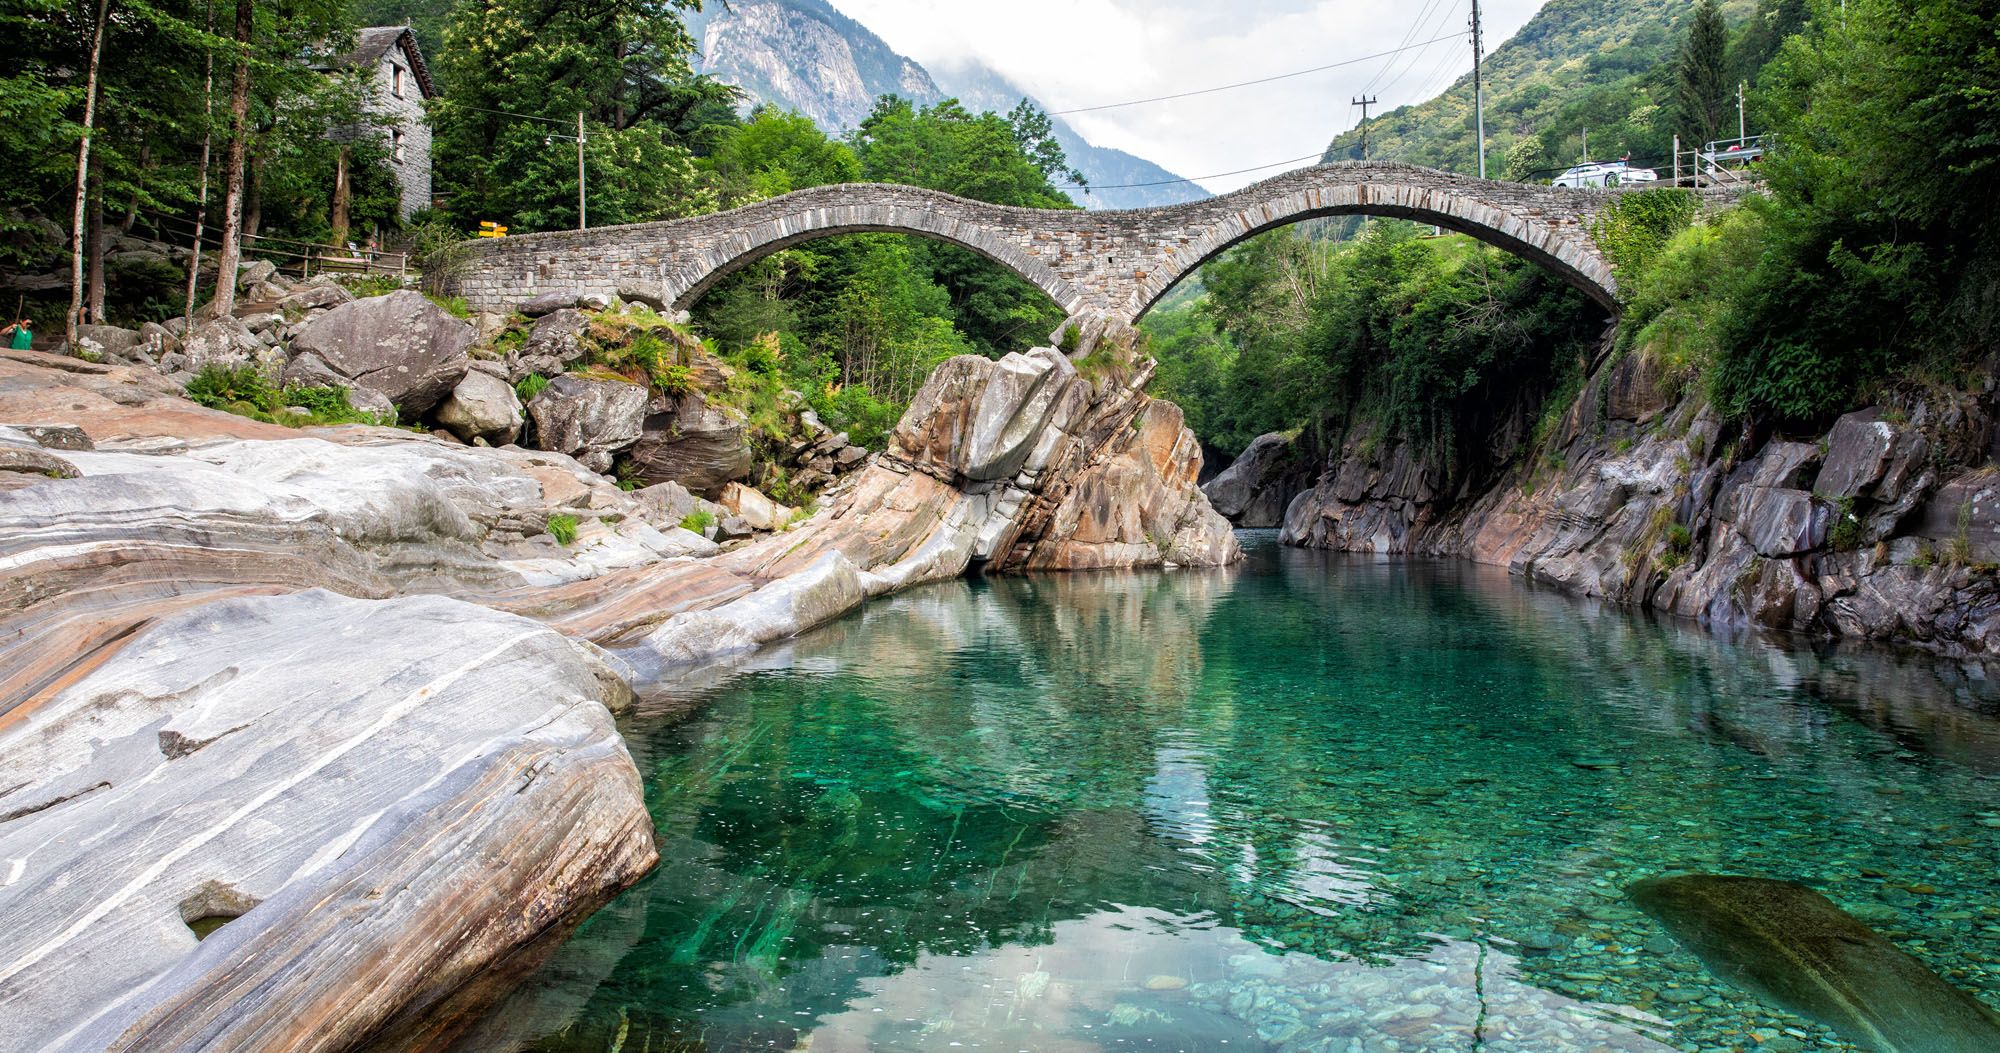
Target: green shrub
column 530, row 386
column 246, row 391
column 698, row 520
column 562, row 528
column 1635, row 226
column 1846, row 533
column 223, row 387
column 1071, row 337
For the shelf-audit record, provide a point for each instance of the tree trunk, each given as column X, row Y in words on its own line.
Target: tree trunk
column 132, row 203
column 75, row 313
column 342, row 197
column 201, row 200
column 230, row 256
column 253, row 198
column 94, row 282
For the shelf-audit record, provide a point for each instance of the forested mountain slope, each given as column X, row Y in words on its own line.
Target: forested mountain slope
column 1604, row 67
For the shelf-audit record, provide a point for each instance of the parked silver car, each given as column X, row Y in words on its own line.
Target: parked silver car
column 1605, row 174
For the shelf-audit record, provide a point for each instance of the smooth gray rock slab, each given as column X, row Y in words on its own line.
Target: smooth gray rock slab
column 386, row 798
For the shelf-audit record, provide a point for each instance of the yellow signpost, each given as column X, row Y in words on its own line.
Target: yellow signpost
column 490, row 229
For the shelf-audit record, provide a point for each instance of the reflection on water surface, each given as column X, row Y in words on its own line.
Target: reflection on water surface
column 1313, row 803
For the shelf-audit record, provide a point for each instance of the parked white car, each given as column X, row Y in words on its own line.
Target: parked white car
column 1605, row 174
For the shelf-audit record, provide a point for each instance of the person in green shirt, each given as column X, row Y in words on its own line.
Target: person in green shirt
column 21, row 335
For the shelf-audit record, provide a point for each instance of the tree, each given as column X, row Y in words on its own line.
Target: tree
column 1035, row 134
column 1702, row 87
column 76, row 290
column 231, row 253
column 519, row 72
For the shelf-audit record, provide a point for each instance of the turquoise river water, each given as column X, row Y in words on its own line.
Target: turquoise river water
column 1309, row 803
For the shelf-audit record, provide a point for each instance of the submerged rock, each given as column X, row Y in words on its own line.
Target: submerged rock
column 1794, row 947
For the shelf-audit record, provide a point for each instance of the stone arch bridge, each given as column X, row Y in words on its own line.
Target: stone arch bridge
column 1115, row 263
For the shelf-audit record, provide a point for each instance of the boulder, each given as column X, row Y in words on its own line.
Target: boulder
column 102, row 343
column 1869, row 457
column 754, row 508
column 553, row 345
column 670, row 504
column 316, row 295
column 250, row 273
column 591, row 418
column 1797, row 950
column 651, row 296
column 694, row 442
column 1964, row 516
column 548, row 302
column 222, row 342
column 402, row 346
column 1778, row 522
column 482, row 406
column 1258, row 485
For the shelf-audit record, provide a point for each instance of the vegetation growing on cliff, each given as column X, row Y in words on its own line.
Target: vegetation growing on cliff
column 1409, row 334
column 1869, row 259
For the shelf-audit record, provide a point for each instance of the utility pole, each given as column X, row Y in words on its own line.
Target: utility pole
column 1478, row 90
column 1364, row 101
column 582, row 217
column 1742, row 127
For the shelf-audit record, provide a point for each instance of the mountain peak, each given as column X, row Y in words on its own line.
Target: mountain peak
column 803, row 55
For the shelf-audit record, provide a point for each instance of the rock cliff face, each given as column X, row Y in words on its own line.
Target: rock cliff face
column 334, row 707
column 1883, row 528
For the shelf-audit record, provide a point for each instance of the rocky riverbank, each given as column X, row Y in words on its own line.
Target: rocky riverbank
column 1884, row 527
column 307, row 740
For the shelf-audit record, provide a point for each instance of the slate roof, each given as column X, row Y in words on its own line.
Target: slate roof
column 373, row 42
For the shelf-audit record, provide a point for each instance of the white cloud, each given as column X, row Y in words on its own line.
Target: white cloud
column 1081, row 53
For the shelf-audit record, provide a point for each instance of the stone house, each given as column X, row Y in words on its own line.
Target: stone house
column 399, row 83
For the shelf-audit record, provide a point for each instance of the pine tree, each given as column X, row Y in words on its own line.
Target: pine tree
column 1702, row 88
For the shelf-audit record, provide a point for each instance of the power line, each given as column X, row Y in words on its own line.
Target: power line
column 1259, row 80
column 1185, row 179
column 1416, row 26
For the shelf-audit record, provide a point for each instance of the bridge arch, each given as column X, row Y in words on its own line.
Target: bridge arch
column 1559, row 244
column 821, row 212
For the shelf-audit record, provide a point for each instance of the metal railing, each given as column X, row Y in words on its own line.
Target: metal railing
column 303, row 258
column 1723, row 162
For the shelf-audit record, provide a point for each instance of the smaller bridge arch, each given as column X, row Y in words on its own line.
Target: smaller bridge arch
column 1115, row 263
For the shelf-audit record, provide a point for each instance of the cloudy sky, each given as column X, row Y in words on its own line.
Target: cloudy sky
column 1082, row 53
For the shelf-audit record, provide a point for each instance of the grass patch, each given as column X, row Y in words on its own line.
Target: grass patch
column 530, row 386
column 454, row 306
column 698, row 520
column 562, row 528
column 247, row 392
column 365, row 285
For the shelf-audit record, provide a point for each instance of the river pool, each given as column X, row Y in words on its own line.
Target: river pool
column 1314, row 802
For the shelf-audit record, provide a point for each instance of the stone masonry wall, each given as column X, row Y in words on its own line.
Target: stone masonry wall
column 1115, row 262
column 405, row 114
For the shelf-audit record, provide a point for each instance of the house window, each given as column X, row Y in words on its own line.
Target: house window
column 396, row 145
column 396, row 81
